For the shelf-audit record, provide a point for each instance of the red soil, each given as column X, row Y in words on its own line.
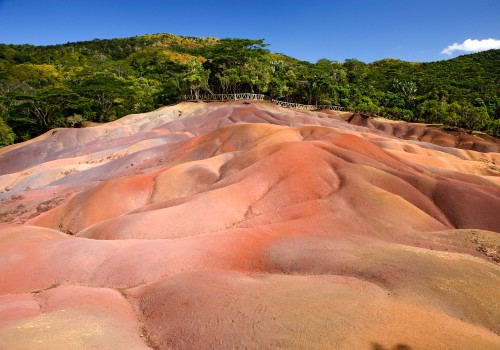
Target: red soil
column 228, row 225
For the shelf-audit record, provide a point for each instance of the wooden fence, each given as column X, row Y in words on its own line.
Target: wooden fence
column 226, row 97
column 308, row 107
column 260, row 97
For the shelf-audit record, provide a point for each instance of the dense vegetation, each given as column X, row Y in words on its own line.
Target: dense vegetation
column 43, row 87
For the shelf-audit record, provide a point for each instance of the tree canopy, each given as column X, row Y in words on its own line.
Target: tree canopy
column 43, row 87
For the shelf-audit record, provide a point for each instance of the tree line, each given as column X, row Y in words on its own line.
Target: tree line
column 43, row 87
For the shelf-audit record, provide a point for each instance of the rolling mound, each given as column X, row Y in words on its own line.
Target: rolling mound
column 247, row 226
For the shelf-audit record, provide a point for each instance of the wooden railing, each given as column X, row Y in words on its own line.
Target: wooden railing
column 308, row 107
column 225, row 97
column 260, row 97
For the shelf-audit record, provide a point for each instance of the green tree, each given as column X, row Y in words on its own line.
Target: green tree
column 356, row 71
column 493, row 127
column 47, row 108
column 196, row 78
column 43, row 86
column 366, row 105
column 7, row 136
column 432, row 111
column 36, row 75
column 494, row 108
column 407, row 89
column 110, row 95
column 453, row 114
column 256, row 74
column 144, row 92
column 474, row 118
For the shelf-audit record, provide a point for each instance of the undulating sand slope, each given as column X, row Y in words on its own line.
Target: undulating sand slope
column 247, row 226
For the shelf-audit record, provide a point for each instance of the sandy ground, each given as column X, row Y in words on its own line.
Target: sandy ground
column 248, row 226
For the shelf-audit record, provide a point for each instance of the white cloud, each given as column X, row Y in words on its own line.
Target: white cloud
column 473, row 45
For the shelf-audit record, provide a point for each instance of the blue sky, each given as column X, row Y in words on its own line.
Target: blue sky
column 309, row 30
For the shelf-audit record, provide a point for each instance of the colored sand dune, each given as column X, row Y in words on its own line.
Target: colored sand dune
column 248, row 226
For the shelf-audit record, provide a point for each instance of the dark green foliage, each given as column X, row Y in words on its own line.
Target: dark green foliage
column 7, row 136
column 43, row 87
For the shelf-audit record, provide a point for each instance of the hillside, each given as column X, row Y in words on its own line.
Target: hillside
column 243, row 225
column 43, row 87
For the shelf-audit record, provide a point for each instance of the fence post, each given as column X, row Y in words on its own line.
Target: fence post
column 261, row 97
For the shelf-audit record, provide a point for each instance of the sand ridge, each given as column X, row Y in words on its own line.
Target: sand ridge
column 245, row 225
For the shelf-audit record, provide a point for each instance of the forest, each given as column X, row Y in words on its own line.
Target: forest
column 45, row 87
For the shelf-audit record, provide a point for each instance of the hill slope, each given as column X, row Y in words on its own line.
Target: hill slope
column 43, row 87
column 236, row 225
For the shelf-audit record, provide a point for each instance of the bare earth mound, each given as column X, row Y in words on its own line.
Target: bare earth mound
column 248, row 226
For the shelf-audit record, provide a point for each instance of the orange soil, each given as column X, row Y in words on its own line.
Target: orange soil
column 248, row 226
